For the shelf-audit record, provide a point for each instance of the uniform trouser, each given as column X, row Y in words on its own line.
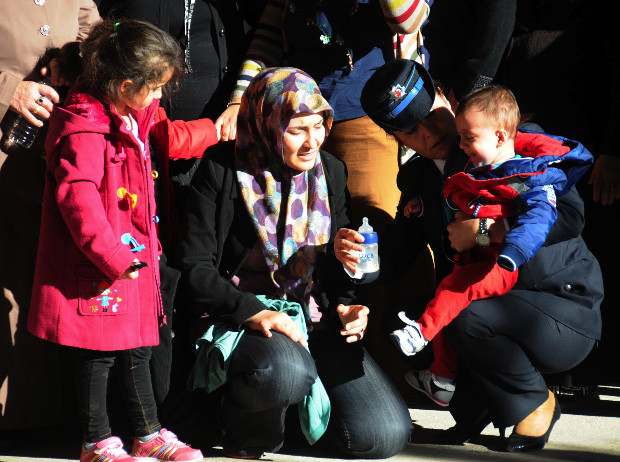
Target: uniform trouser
column 92, row 373
column 505, row 344
column 369, row 419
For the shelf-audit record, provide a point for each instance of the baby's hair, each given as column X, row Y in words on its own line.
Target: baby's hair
column 128, row 50
column 494, row 101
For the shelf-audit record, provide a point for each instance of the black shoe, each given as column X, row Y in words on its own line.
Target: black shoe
column 462, row 433
column 523, row 443
column 236, row 453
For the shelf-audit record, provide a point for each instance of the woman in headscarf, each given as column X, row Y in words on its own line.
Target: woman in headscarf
column 257, row 257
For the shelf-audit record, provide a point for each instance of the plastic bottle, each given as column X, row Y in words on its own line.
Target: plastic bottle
column 23, row 133
column 369, row 256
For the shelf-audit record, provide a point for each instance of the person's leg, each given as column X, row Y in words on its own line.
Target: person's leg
column 137, row 390
column 369, row 418
column 445, row 359
column 474, row 281
column 92, row 371
column 371, row 157
column 265, row 377
column 505, row 343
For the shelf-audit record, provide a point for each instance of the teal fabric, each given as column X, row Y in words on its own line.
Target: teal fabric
column 215, row 349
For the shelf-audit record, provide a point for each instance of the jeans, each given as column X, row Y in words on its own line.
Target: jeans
column 369, row 419
column 92, row 373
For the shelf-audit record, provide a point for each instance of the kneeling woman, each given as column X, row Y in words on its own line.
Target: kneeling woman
column 257, row 256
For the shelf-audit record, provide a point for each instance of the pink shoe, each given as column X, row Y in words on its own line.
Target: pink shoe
column 165, row 447
column 108, row 450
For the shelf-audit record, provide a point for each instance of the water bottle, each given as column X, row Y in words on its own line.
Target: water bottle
column 369, row 256
column 23, row 133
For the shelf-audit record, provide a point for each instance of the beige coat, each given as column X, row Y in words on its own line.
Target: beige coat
column 29, row 368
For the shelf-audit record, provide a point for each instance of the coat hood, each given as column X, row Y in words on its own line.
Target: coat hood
column 84, row 112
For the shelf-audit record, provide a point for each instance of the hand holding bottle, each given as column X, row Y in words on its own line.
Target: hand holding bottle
column 357, row 250
column 34, row 101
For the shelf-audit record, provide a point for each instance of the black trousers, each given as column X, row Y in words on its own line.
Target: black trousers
column 92, row 374
column 505, row 344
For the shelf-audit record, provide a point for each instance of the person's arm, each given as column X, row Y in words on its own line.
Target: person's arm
column 266, row 49
column 405, row 16
column 208, row 213
column 79, row 176
column 181, row 139
column 489, row 36
column 535, row 215
column 87, row 18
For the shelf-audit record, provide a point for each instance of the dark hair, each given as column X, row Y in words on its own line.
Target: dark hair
column 128, row 50
column 496, row 102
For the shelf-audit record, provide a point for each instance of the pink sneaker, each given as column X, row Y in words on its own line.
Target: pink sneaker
column 108, row 450
column 165, row 447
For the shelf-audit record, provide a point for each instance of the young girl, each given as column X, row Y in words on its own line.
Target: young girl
column 96, row 286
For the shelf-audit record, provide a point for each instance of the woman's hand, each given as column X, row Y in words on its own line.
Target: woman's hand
column 268, row 320
column 345, row 246
column 354, row 319
column 605, row 179
column 28, row 102
column 226, row 123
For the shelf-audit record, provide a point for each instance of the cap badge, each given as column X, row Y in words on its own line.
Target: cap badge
column 397, row 92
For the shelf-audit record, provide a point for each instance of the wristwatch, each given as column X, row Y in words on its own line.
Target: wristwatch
column 483, row 239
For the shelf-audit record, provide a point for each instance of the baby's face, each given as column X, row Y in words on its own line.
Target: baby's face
column 480, row 138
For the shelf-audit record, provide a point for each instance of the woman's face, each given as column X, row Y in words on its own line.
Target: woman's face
column 302, row 140
column 436, row 135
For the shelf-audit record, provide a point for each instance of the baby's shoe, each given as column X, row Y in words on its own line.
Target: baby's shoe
column 165, row 447
column 110, row 450
column 439, row 389
column 409, row 338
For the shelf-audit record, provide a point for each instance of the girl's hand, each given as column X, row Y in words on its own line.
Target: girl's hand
column 268, row 320
column 28, row 102
column 131, row 273
column 344, row 244
column 226, row 123
column 354, row 319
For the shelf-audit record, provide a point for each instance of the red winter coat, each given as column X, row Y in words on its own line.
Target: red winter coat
column 98, row 205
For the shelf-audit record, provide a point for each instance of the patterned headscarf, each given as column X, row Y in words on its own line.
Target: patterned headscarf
column 269, row 187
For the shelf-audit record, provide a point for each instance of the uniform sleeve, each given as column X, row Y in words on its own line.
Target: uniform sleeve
column 79, row 177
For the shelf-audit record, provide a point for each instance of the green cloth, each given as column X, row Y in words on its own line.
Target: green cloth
column 215, row 349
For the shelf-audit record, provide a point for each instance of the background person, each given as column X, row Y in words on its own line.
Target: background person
column 28, row 30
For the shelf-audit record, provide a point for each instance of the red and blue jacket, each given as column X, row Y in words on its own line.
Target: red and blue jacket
column 524, row 187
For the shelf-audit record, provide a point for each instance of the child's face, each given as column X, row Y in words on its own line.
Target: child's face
column 143, row 98
column 480, row 140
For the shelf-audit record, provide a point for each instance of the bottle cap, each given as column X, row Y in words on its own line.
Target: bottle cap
column 370, row 237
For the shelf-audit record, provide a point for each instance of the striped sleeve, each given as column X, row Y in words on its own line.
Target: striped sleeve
column 266, row 48
column 405, row 16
